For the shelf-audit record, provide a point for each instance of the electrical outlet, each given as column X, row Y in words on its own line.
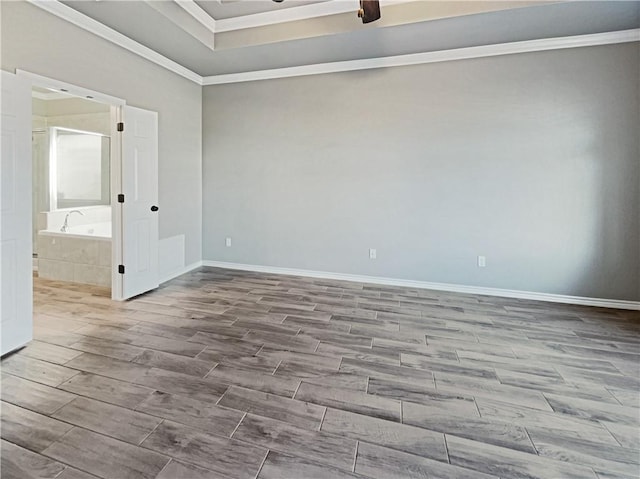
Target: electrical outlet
column 227, row 242
column 372, row 253
column 482, row 261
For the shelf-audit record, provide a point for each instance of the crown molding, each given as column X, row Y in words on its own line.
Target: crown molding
column 528, row 46
column 193, row 9
column 73, row 16
column 292, row 14
column 183, row 19
column 89, row 24
column 455, row 288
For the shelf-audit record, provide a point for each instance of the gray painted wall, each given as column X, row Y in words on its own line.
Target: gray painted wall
column 531, row 160
column 36, row 41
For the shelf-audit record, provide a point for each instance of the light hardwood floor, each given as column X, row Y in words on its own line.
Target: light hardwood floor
column 228, row 374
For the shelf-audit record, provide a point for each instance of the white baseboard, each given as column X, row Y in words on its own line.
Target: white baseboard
column 179, row 272
column 455, row 288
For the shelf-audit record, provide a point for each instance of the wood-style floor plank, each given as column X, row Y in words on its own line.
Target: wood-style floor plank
column 50, row 352
column 28, row 429
column 595, row 454
column 192, row 412
column 231, row 458
column 283, row 466
column 491, row 431
column 594, row 410
column 71, row 473
column 562, row 426
column 36, row 370
column 174, row 362
column 383, row 463
column 20, row 463
column 176, row 469
column 34, row 396
column 237, row 374
column 105, row 347
column 105, row 457
column 627, row 436
column 503, row 462
column 115, row 421
column 252, row 379
column 348, row 400
column 402, row 437
column 108, row 367
column 296, row 412
column 279, row 436
column 106, row 389
column 181, row 384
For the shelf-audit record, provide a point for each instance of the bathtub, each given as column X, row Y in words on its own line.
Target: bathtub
column 91, row 230
column 82, row 254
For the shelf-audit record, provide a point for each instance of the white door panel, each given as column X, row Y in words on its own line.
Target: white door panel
column 16, row 282
column 140, row 188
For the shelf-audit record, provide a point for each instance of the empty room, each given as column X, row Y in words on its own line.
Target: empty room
column 320, row 239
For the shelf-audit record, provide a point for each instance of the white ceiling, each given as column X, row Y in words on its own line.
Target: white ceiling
column 217, row 37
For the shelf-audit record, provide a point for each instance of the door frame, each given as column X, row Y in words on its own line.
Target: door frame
column 116, row 105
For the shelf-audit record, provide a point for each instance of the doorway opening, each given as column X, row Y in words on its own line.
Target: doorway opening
column 72, row 217
column 76, row 175
column 124, row 179
column 131, row 186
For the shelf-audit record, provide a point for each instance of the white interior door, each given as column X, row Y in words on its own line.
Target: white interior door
column 140, row 206
column 16, row 282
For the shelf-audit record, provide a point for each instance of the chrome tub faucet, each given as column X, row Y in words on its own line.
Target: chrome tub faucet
column 65, row 226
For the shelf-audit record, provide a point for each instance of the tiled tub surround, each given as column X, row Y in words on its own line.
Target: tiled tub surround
column 83, row 253
column 81, row 258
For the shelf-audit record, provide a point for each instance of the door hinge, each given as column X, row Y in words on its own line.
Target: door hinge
column 120, row 126
column 121, row 268
column 120, row 198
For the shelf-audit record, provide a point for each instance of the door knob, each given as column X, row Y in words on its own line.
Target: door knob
column 154, row 208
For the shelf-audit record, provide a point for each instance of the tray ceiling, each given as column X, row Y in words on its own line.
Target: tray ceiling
column 216, row 37
column 222, row 9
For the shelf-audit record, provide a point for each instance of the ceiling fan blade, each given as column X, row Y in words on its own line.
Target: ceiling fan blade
column 369, row 10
